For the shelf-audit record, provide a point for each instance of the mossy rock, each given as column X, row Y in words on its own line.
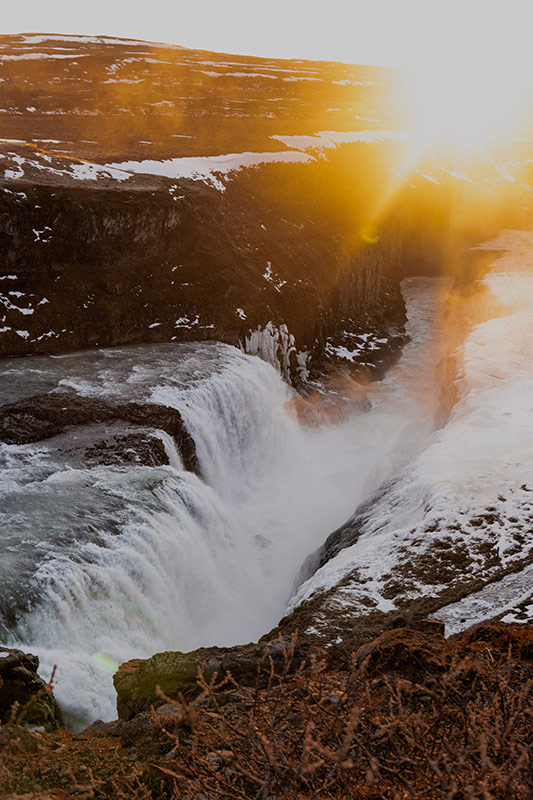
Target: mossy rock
column 176, row 673
column 137, row 681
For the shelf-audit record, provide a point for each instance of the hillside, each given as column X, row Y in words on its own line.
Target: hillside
column 153, row 193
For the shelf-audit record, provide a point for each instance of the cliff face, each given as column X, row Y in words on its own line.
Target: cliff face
column 151, row 194
column 107, row 266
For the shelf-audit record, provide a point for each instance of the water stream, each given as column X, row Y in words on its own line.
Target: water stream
column 104, row 563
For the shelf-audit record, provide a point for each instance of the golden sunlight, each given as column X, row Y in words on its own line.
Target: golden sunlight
column 467, row 99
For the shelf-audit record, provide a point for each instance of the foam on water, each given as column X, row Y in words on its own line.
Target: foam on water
column 122, row 562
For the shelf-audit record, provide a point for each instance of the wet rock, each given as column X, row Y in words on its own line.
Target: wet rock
column 24, row 696
column 141, row 449
column 46, row 415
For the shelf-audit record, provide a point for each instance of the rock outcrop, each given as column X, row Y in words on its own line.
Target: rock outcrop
column 24, row 696
column 43, row 416
column 145, row 683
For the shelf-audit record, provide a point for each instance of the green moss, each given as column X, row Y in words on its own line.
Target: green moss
column 43, row 712
column 173, row 672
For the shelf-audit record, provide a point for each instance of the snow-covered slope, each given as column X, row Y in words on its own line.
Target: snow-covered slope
column 459, row 516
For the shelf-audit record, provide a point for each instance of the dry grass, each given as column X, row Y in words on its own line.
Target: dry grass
column 458, row 729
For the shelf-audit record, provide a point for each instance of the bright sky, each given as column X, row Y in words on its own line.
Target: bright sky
column 403, row 32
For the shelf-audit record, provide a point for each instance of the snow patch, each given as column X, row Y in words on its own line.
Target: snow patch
column 207, row 168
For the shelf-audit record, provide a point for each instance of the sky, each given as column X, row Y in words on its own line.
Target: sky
column 388, row 32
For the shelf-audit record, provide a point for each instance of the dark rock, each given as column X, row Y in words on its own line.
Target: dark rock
column 128, row 449
column 43, row 416
column 24, row 696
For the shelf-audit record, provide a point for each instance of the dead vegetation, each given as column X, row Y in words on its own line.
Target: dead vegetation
column 415, row 716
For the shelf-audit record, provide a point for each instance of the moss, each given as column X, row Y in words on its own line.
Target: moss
column 137, row 682
column 43, row 712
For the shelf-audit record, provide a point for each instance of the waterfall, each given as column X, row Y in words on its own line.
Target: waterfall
column 109, row 563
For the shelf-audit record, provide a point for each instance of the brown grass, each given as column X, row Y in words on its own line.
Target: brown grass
column 461, row 731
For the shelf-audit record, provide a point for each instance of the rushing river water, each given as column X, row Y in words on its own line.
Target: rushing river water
column 104, row 563
column 111, row 562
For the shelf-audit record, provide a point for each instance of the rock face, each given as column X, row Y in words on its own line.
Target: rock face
column 127, row 448
column 43, row 416
column 152, row 193
column 130, row 266
column 20, row 684
column 141, row 683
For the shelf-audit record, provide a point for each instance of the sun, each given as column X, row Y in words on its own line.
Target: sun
column 467, row 101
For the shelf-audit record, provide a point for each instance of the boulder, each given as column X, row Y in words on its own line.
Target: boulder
column 141, row 683
column 46, row 415
column 24, row 696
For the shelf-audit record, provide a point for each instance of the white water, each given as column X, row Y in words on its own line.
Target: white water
column 124, row 562
column 480, row 461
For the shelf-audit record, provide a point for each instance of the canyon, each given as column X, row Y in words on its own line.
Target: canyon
column 266, row 377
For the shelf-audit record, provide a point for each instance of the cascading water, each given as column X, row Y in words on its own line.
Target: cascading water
column 112, row 562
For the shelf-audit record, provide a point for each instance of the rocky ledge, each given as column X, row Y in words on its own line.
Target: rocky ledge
column 46, row 415
column 24, row 696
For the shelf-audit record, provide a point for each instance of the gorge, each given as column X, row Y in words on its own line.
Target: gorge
column 263, row 373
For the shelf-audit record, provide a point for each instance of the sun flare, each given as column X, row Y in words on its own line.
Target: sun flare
column 467, row 101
